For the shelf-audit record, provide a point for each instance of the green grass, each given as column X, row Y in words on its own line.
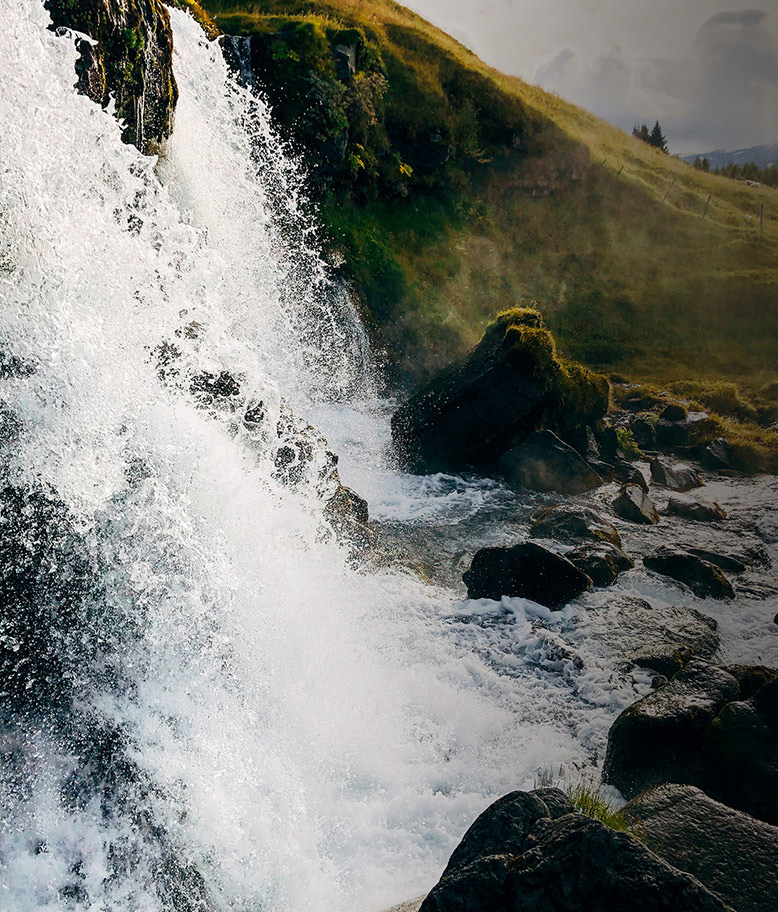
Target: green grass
column 586, row 795
column 538, row 201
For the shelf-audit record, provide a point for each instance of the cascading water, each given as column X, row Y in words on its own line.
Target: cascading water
column 216, row 709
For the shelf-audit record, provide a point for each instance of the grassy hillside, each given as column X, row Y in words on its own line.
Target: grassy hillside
column 454, row 191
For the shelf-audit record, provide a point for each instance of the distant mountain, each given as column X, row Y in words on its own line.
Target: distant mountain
column 762, row 156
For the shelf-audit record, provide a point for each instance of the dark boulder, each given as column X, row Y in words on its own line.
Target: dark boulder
column 131, row 62
column 718, row 455
column 711, row 727
column 704, row 579
column 695, row 510
column 734, row 563
column 728, row 851
column 570, row 864
column 574, row 524
column 643, row 432
column 544, row 463
column 511, row 384
column 634, row 505
column 526, row 570
column 503, row 827
column 602, row 562
column 674, row 412
column 349, row 516
column 694, row 430
column 659, row 739
column 675, row 477
column 631, row 631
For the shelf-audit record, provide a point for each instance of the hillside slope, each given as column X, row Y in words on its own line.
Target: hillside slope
column 452, row 191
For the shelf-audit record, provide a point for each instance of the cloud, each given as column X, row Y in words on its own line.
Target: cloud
column 723, row 92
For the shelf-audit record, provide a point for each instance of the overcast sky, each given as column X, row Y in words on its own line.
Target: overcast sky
column 707, row 69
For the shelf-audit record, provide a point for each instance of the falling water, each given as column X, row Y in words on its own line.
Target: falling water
column 237, row 716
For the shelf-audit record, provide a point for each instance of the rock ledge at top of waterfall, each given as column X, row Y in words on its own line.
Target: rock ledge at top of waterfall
column 129, row 60
column 512, row 405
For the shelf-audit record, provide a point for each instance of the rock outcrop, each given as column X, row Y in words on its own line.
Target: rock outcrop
column 511, row 384
column 131, row 61
column 573, row 524
column 675, row 477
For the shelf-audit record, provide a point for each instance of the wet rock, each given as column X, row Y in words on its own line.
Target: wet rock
column 726, row 850
column 632, row 631
column 711, row 727
column 526, row 570
column 634, row 505
column 695, row 510
column 674, row 412
column 508, row 386
column 704, row 579
column 569, row 864
column 643, row 432
column 743, row 754
column 131, row 62
column 574, row 524
column 544, row 463
column 718, row 455
column 675, row 477
column 602, row 562
column 348, row 515
column 49, row 599
column 503, row 827
column 661, row 738
column 697, row 428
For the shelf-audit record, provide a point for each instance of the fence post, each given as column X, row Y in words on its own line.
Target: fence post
column 707, row 203
column 667, row 193
column 761, row 220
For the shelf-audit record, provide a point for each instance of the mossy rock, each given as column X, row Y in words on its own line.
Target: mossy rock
column 131, row 62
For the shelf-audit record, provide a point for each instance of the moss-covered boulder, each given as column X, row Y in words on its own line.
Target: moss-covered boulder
column 511, row 384
column 131, row 62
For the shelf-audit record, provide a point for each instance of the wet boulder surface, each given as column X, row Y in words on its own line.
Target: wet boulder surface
column 543, row 462
column 530, row 851
column 526, row 570
column 574, row 524
column 730, row 852
column 712, row 727
column 705, row 579
column 633, row 504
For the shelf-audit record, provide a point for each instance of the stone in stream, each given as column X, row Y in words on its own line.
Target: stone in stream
column 675, row 477
column 553, row 859
column 634, row 505
column 627, row 630
column 712, row 727
column 526, row 570
column 574, row 524
column 602, row 562
column 695, row 510
column 545, row 463
column 704, row 579
column 729, row 851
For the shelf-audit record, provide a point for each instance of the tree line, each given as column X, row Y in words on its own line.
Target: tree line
column 747, row 171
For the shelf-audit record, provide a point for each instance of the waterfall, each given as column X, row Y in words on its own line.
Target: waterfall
column 233, row 715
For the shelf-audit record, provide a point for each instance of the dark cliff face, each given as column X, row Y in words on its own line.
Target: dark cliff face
column 131, row 62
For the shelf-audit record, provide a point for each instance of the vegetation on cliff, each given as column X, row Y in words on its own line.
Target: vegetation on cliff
column 130, row 61
column 452, row 192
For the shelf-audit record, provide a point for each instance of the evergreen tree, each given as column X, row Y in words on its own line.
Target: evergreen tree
column 658, row 138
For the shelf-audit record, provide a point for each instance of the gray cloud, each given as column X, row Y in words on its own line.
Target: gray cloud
column 722, row 93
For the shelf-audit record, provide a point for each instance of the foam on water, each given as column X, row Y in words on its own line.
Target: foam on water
column 302, row 734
